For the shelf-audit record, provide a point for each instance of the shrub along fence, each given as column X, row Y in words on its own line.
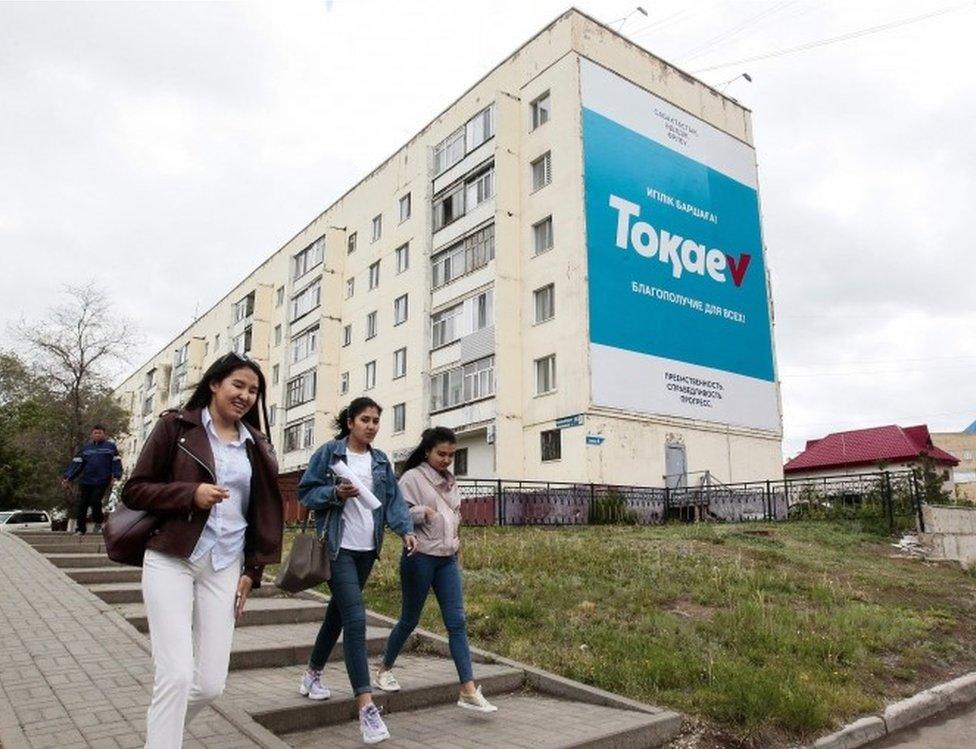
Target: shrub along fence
column 890, row 499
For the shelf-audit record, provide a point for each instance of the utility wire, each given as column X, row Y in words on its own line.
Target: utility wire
column 842, row 38
column 722, row 38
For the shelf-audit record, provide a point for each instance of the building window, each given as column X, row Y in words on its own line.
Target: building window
column 542, row 236
column 351, row 244
column 445, row 326
column 371, row 325
column 404, row 208
column 399, row 417
column 479, row 128
column 308, row 258
column 277, row 335
column 463, row 198
column 206, row 347
column 275, row 374
column 967, row 455
column 482, row 310
column 242, row 342
column 540, row 111
column 300, row 435
column 465, row 139
column 300, row 389
column 280, row 296
column 181, row 355
column 370, row 379
column 399, row 363
column 542, row 171
column 377, row 227
column 461, row 461
column 147, row 406
column 400, row 309
column 305, row 301
column 272, row 414
column 551, row 444
column 545, row 303
column 150, row 378
column 402, row 258
column 479, row 189
column 304, row 345
column 545, row 374
column 374, row 275
column 471, row 253
column 463, row 384
column 343, row 383
column 347, row 334
column 244, row 308
column 350, row 287
column 449, row 207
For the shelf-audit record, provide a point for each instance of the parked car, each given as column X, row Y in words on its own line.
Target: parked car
column 20, row 520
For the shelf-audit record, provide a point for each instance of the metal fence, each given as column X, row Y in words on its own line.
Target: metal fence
column 890, row 499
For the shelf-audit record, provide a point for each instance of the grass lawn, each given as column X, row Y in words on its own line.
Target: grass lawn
column 767, row 632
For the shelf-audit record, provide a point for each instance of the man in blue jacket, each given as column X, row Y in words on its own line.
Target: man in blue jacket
column 95, row 465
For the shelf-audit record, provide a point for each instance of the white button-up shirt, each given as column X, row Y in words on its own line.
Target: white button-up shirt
column 223, row 535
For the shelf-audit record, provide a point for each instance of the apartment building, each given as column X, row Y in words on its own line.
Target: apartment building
column 565, row 266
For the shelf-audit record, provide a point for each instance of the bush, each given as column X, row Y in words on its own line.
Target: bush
column 611, row 508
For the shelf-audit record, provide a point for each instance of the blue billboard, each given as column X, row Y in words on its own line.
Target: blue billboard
column 678, row 304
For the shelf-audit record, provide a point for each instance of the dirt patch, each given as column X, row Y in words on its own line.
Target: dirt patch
column 692, row 610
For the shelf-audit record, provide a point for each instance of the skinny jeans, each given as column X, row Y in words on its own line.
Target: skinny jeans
column 346, row 613
column 190, row 608
column 418, row 574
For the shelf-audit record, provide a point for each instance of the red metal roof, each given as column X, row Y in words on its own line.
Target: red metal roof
column 860, row 447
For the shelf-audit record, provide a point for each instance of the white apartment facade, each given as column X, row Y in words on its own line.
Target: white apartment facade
column 455, row 284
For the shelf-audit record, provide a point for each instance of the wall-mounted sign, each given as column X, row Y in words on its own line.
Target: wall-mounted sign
column 564, row 422
column 594, row 439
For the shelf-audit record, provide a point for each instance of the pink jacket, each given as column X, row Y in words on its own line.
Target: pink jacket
column 424, row 487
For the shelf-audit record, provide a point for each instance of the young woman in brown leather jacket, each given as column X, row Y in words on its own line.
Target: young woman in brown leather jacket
column 210, row 475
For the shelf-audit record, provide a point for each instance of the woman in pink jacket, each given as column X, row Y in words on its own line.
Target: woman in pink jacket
column 430, row 491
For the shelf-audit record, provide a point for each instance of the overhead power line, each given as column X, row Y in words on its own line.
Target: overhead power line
column 842, row 38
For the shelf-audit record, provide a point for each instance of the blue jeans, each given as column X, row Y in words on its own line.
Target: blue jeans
column 346, row 613
column 418, row 574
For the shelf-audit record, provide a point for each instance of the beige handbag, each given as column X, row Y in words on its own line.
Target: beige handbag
column 308, row 562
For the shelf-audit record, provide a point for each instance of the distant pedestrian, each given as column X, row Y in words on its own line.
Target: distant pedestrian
column 430, row 491
column 95, row 465
column 211, row 475
column 354, row 535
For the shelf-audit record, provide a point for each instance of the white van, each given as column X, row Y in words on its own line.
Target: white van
column 25, row 520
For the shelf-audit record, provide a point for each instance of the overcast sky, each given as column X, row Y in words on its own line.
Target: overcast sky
column 166, row 149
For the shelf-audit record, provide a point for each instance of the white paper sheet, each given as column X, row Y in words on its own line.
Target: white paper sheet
column 365, row 495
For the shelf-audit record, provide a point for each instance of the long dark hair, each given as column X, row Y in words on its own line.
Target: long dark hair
column 350, row 412
column 217, row 372
column 428, row 440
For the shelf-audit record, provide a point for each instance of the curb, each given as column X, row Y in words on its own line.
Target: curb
column 900, row 715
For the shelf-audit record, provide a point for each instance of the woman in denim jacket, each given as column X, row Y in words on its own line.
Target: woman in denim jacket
column 354, row 535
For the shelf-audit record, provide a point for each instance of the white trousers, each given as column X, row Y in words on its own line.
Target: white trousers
column 190, row 608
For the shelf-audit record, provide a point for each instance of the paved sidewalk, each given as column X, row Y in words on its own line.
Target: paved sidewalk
column 954, row 730
column 73, row 673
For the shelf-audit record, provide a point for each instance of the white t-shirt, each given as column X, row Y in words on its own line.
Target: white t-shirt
column 357, row 532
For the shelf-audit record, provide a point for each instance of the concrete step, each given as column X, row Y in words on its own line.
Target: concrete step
column 112, row 574
column 524, row 719
column 271, row 696
column 71, row 561
column 131, row 592
column 259, row 612
column 276, row 645
column 93, row 546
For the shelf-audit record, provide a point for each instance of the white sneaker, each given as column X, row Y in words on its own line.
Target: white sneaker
column 476, row 702
column 372, row 726
column 386, row 681
column 312, row 686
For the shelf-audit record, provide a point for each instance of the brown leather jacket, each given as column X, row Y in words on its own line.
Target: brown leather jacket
column 174, row 461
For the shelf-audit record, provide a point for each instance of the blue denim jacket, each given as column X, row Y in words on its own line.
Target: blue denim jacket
column 316, row 491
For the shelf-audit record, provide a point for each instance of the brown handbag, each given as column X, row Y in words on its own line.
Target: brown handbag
column 308, row 562
column 126, row 531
